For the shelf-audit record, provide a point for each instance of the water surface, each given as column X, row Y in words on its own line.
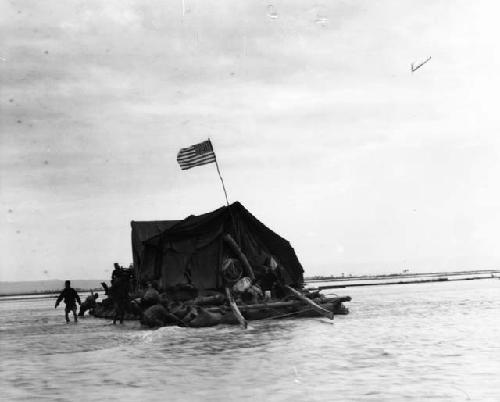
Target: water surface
column 437, row 341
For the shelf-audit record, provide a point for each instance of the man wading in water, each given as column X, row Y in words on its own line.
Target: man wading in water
column 70, row 298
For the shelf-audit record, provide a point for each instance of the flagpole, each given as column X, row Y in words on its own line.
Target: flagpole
column 220, row 176
column 233, row 221
column 221, row 180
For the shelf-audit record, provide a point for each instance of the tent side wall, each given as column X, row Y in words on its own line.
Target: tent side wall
column 199, row 267
column 275, row 245
column 191, row 251
column 143, row 257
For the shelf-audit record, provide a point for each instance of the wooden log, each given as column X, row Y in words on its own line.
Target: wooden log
column 243, row 258
column 291, row 303
column 236, row 310
column 339, row 299
column 319, row 309
column 260, row 306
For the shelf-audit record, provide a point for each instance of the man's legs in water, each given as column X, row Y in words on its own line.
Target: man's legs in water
column 67, row 310
column 117, row 309
column 119, row 312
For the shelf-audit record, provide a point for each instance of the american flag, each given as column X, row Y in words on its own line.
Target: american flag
column 196, row 155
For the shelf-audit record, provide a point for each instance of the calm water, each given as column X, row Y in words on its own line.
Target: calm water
column 436, row 341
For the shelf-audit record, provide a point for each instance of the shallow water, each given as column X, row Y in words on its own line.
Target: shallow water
column 436, row 341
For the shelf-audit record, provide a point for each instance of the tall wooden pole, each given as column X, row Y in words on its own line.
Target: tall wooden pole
column 220, row 176
column 221, row 180
column 233, row 221
column 243, row 258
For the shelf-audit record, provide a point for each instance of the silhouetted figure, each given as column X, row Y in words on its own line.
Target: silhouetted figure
column 88, row 304
column 118, row 292
column 70, row 299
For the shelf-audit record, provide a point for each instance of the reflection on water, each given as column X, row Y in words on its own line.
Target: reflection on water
column 436, row 341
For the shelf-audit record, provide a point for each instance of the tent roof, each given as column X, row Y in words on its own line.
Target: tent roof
column 229, row 218
column 145, row 230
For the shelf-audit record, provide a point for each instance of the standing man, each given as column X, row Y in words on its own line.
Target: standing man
column 70, row 298
column 119, row 294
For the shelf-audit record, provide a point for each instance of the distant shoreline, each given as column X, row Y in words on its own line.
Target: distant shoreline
column 46, row 286
column 420, row 281
column 318, row 278
column 45, row 294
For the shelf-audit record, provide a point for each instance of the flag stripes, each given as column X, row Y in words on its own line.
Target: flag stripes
column 196, row 155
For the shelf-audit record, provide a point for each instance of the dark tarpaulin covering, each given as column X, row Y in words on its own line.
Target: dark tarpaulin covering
column 142, row 231
column 191, row 250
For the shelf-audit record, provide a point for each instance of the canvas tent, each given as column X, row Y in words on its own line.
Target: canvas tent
column 192, row 250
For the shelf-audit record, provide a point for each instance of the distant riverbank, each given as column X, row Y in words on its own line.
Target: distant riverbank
column 49, row 294
column 400, row 275
column 399, row 279
column 47, row 287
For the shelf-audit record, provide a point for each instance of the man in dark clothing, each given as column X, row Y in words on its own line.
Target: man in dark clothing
column 70, row 299
column 119, row 294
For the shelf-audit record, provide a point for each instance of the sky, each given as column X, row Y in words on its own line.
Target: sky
column 320, row 128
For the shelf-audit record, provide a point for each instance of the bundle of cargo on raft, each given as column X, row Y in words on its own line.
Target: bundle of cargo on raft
column 224, row 266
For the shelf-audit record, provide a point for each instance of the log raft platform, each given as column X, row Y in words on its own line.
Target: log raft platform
column 294, row 308
column 271, row 310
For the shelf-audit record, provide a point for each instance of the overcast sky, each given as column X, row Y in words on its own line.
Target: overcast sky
column 321, row 130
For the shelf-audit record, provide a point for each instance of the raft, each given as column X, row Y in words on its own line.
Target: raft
column 223, row 266
column 277, row 309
